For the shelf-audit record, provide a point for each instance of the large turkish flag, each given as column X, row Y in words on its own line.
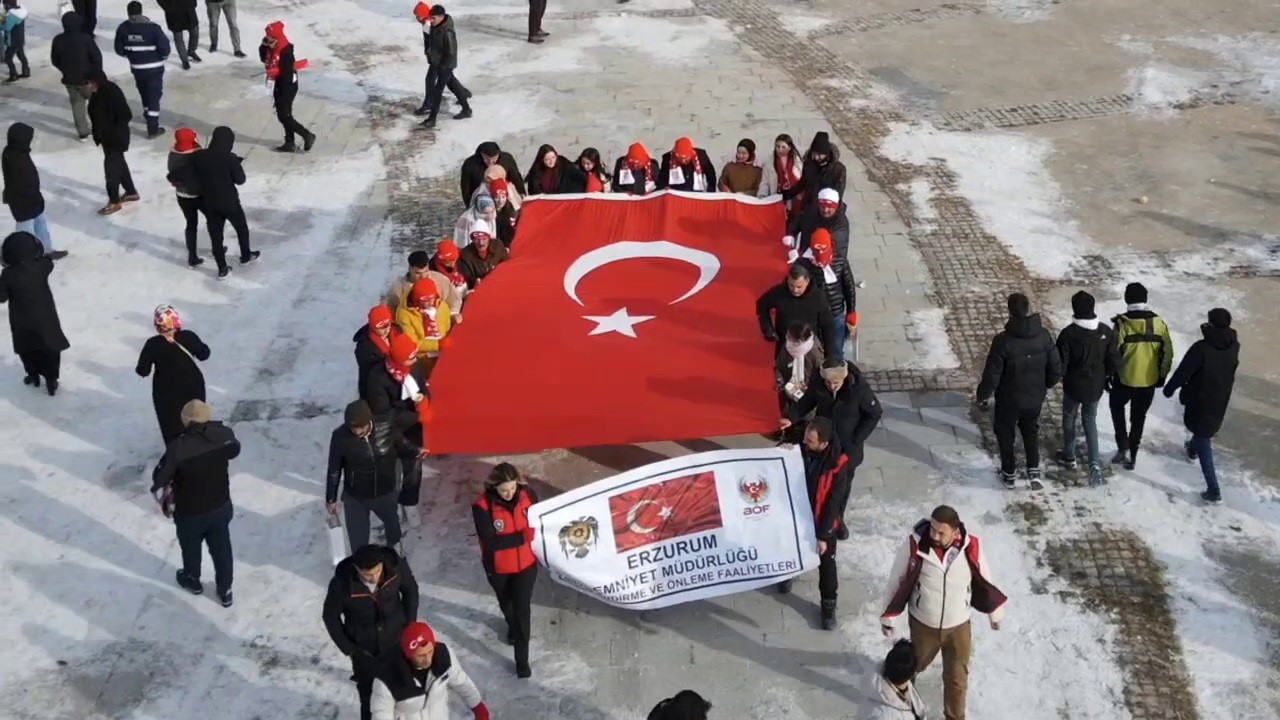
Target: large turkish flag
column 617, row 320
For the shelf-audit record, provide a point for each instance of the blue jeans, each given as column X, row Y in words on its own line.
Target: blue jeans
column 39, row 226
column 1088, row 412
column 842, row 334
column 1204, row 451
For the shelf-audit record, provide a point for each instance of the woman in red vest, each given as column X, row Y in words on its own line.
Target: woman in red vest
column 501, row 514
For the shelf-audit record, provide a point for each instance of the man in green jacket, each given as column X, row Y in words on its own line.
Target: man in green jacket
column 1147, row 353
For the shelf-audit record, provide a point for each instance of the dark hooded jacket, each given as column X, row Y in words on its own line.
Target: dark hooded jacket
column 853, row 409
column 21, row 180
column 396, row 426
column 110, row 114
column 24, row 285
column 368, row 356
column 74, row 53
column 217, row 171
column 442, row 45
column 565, row 177
column 663, row 178
column 179, row 15
column 829, row 479
column 473, row 174
column 366, row 623
column 197, row 464
column 1206, row 377
column 1022, row 365
column 1089, row 356
column 815, row 177
column 802, row 225
column 777, row 308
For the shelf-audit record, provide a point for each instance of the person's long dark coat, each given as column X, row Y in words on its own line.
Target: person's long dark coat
column 24, row 286
column 177, row 378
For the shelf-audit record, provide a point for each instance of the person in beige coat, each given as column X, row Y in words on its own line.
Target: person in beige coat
column 420, row 267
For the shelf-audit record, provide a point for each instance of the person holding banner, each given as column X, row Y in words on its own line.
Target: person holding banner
column 829, row 476
column 501, row 514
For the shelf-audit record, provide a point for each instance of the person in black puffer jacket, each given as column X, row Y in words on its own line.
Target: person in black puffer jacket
column 797, row 300
column 833, row 272
column 367, row 478
column 1021, row 366
column 187, row 188
column 829, row 213
column 371, row 598
column 1089, row 356
column 397, row 427
column 822, row 170
column 192, row 483
column 1206, row 377
column 75, row 54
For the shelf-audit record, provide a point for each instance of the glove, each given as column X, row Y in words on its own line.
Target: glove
column 789, row 241
column 481, row 712
column 792, row 256
column 851, row 319
column 1168, row 391
column 771, row 337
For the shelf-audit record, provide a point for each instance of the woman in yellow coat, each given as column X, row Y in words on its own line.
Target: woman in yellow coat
column 426, row 319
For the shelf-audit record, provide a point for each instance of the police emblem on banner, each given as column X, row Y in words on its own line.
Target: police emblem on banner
column 499, row 524
column 578, row 537
column 754, row 490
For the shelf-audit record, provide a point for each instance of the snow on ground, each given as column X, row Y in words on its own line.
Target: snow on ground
column 1021, row 11
column 803, row 23
column 1159, row 87
column 1245, row 66
column 927, row 333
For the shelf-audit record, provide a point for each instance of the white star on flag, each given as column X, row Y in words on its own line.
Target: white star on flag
column 620, row 322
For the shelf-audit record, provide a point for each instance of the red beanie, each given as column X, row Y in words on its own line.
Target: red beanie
column 638, row 155
column 184, row 140
column 820, row 242
column 498, row 185
column 683, row 149
column 275, row 31
column 424, row 289
column 422, row 11
column 415, row 635
column 402, row 348
column 446, row 251
column 379, row 315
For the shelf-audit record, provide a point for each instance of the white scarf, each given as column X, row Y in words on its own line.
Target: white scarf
column 1086, row 323
column 409, row 389
column 798, row 352
column 1137, row 307
column 828, row 272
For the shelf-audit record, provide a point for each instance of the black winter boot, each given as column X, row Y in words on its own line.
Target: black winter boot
column 829, row 614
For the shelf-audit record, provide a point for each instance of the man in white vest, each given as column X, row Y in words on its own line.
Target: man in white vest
column 941, row 574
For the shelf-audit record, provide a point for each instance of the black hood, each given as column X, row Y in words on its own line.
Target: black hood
column 1219, row 337
column 20, row 135
column 223, row 139
column 447, row 24
column 71, row 22
column 1024, row 327
column 20, row 247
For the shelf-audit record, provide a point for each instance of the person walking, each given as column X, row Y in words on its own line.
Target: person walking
column 399, row 397
column 416, row 681
column 684, row 705
column 1089, row 356
column 217, row 171
column 227, row 9
column 795, row 367
column 33, row 316
column 537, row 8
column 192, row 483
column 22, row 188
column 1022, row 364
column 15, row 33
column 372, row 597
column 841, row 393
column 110, row 115
column 477, row 166
column 88, row 12
column 368, row 479
column 1146, row 351
column 896, row 697
column 181, row 18
column 173, row 353
column 501, row 515
column 821, row 170
column 277, row 54
column 187, row 189
column 939, row 577
column 829, row 477
column 146, row 47
column 373, row 342
column 1204, row 380
column 75, row 54
column 797, row 299
column 837, row 280
column 829, row 213
column 440, row 43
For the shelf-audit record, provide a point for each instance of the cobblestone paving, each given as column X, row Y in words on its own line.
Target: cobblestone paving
column 879, row 21
column 1054, row 111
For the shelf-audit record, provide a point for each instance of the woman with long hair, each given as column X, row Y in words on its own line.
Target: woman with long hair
column 501, row 516
column 551, row 174
column 598, row 178
column 783, row 172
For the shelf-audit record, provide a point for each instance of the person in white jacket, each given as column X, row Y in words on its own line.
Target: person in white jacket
column 941, row 574
column 482, row 208
column 895, row 696
column 416, row 686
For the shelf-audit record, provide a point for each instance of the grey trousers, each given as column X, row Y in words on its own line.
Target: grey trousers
column 182, row 45
column 356, row 512
column 79, row 97
column 226, row 8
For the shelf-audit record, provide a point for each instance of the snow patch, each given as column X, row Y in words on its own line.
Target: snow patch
column 1021, row 11
column 1161, row 87
column 1003, row 175
column 680, row 41
column 802, row 24
column 1250, row 70
column 927, row 333
column 921, row 193
column 455, row 140
column 1254, row 61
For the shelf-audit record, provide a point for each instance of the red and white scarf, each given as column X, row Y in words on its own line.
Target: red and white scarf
column 398, row 371
column 454, row 275
column 383, row 344
column 430, row 330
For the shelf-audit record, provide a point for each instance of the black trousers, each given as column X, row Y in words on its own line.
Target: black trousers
column 1139, row 401
column 410, row 476
column 365, row 669
column 437, row 80
column 828, row 582
column 191, row 214
column 42, row 363
column 217, row 218
column 537, row 8
column 284, row 113
column 116, row 170
column 1008, row 422
column 212, row 528
column 21, row 53
column 515, row 599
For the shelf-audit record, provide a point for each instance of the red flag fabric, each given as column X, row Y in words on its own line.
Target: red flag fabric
column 618, row 319
column 665, row 510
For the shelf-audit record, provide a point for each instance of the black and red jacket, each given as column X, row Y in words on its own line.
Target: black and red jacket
column 829, row 481
column 369, row 621
column 506, row 538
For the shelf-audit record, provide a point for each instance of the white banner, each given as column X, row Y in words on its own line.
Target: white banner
column 683, row 529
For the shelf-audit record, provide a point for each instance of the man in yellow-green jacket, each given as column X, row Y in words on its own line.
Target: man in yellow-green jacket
column 1147, row 353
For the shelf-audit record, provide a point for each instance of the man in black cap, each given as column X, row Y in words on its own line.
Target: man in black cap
column 144, row 44
column 1146, row 359
column 1021, row 367
column 822, row 170
column 1206, row 377
column 368, row 479
column 1089, row 356
column 442, row 63
column 371, row 598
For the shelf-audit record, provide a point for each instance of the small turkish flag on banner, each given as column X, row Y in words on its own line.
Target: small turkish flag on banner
column 617, row 320
column 665, row 510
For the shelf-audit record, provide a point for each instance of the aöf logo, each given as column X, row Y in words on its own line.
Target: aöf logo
column 754, row 490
